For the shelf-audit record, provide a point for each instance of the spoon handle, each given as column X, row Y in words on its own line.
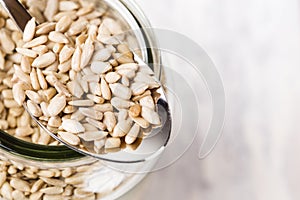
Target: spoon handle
column 17, row 12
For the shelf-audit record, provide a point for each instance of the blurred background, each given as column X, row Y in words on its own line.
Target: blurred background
column 255, row 45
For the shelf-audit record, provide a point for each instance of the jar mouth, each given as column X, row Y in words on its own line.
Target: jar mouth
column 135, row 21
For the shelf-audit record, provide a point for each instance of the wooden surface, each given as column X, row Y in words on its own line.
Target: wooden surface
column 255, row 45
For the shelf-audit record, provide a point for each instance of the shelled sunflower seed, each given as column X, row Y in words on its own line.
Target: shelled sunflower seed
column 92, row 76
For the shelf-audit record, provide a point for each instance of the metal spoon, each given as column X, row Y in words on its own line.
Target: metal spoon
column 151, row 145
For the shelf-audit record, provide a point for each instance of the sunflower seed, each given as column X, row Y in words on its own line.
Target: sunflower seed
column 76, row 59
column 77, row 116
column 135, row 110
column 72, row 126
column 48, row 94
column 64, row 68
column 33, row 96
column 106, row 93
column 35, row 196
column 120, row 90
column 44, row 60
column 6, row 191
column 75, row 179
column 104, row 107
column 18, row 195
column 18, row 93
column 63, row 24
column 78, row 26
column 98, row 144
column 41, row 49
column 69, row 109
column 58, row 37
column 29, row 30
column 65, row 53
column 24, row 131
column 10, row 103
column 36, row 12
column 112, row 143
column 96, row 99
column 34, row 79
column 125, row 81
column 138, row 88
column 69, row 138
column 127, row 72
column 87, row 53
column 27, row 52
column 128, row 66
column 84, row 10
column 109, row 120
column 91, row 78
column 123, row 58
column 75, row 89
column 99, row 67
column 51, row 9
column 82, row 103
column 150, row 115
column 139, row 97
column 2, row 178
column 6, row 42
column 91, row 113
column 95, row 88
column 140, row 121
column 81, row 193
column 44, row 108
column 132, row 134
column 102, row 55
column 96, row 123
column 36, row 186
column 44, row 139
column 36, row 42
column 113, row 27
column 93, row 135
column 20, row 185
column 119, row 103
column 34, row 109
column 112, row 77
column 55, row 122
column 54, row 182
column 68, row 5
column 56, row 105
column 45, row 28
column 3, row 124
column 46, row 173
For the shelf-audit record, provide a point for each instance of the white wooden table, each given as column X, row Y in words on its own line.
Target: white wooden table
column 256, row 47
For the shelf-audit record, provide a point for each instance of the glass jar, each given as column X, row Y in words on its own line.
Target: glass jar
column 56, row 172
column 69, row 175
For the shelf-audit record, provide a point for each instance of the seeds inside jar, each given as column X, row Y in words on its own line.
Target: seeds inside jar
column 83, row 74
column 38, row 71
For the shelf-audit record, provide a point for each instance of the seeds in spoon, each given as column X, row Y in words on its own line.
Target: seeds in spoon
column 89, row 82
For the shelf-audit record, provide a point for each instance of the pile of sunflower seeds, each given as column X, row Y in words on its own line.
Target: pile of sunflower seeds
column 20, row 182
column 13, row 118
column 81, row 81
